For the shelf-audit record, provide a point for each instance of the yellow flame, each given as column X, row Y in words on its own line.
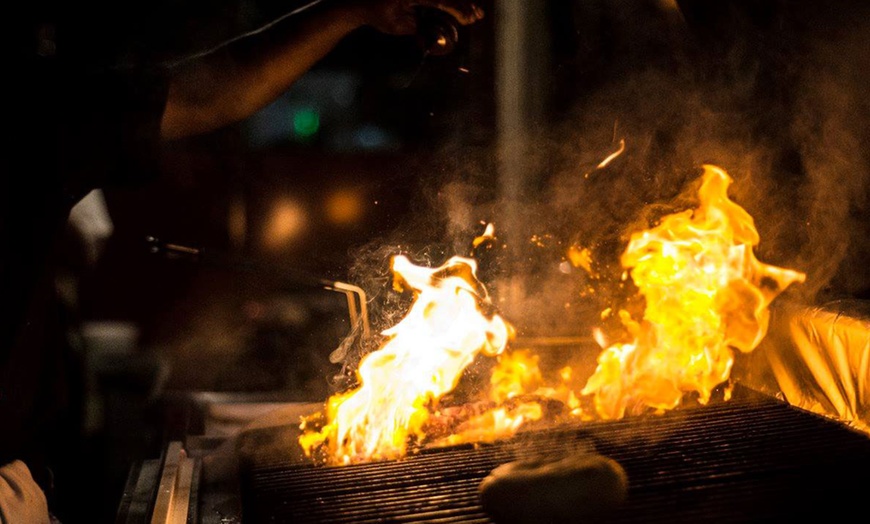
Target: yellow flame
column 516, row 373
column 421, row 359
column 488, row 234
column 497, row 423
column 705, row 292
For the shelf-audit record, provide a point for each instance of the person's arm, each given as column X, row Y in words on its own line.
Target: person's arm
column 21, row 499
column 224, row 88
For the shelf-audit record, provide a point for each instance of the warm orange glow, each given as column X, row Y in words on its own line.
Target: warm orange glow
column 581, row 257
column 604, row 163
column 488, row 234
column 237, row 222
column 286, row 223
column 705, row 292
column 518, row 392
column 515, row 374
column 497, row 423
column 421, row 359
column 344, row 207
column 705, row 295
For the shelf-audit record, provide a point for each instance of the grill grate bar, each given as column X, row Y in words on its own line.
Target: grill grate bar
column 459, row 496
column 741, row 461
column 708, row 458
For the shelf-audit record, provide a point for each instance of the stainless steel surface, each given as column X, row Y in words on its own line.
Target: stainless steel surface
column 196, row 481
column 174, row 491
column 161, row 491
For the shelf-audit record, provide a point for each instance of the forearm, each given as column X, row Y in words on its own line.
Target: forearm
column 229, row 86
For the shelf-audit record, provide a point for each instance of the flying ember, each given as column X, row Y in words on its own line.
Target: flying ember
column 705, row 292
column 421, row 359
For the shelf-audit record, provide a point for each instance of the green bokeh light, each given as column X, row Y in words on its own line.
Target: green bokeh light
column 306, row 122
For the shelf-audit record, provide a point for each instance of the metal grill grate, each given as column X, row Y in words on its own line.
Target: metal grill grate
column 752, row 459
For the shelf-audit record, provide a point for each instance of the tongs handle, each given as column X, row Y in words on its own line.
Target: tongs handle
column 356, row 296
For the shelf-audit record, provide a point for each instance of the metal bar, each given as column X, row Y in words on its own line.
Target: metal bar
column 172, row 504
column 356, row 296
column 181, row 498
column 137, row 508
column 360, row 295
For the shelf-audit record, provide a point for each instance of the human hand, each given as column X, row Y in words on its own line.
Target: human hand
column 398, row 17
column 21, row 499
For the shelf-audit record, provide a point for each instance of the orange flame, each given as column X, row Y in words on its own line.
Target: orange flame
column 705, row 292
column 516, row 373
column 496, row 423
column 421, row 359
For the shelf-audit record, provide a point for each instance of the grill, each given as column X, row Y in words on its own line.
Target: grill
column 750, row 459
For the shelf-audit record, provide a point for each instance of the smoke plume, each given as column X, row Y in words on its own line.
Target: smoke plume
column 772, row 94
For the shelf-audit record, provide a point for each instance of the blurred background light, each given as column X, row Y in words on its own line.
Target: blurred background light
column 287, row 222
column 344, row 206
column 306, row 123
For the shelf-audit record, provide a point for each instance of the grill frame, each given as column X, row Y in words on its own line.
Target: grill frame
column 750, row 459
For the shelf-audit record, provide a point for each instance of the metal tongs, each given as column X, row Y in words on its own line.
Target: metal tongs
column 356, row 297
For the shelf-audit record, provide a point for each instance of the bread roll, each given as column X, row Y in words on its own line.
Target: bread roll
column 577, row 488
